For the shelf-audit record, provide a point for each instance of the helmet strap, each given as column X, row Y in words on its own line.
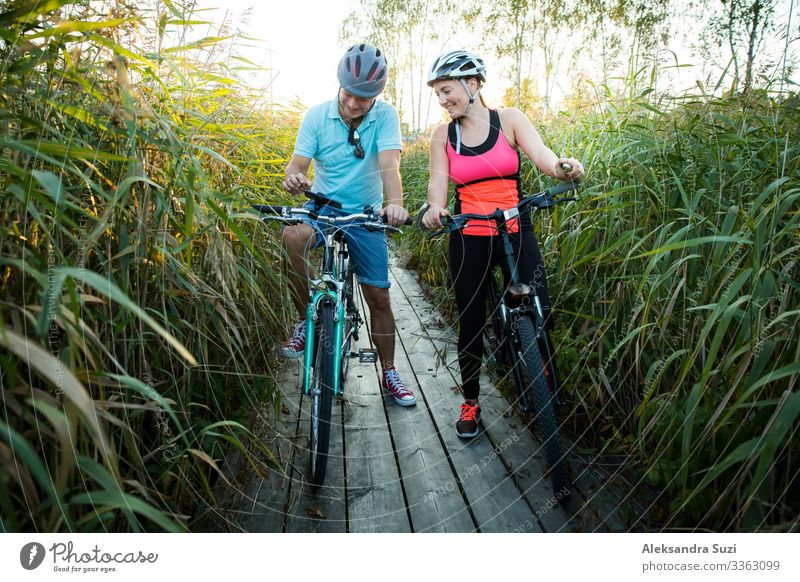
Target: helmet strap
column 340, row 105
column 472, row 98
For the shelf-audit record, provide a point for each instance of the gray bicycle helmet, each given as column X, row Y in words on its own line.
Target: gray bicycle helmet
column 363, row 71
column 458, row 64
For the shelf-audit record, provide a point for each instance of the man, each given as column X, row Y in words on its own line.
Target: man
column 355, row 143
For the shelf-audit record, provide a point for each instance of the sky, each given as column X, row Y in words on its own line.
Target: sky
column 299, row 42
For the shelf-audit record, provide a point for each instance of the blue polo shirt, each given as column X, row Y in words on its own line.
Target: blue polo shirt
column 338, row 173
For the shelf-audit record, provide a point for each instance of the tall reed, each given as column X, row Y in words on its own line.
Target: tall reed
column 137, row 318
column 675, row 285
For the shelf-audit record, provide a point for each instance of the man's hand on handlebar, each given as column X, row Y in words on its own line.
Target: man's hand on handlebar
column 296, row 183
column 395, row 214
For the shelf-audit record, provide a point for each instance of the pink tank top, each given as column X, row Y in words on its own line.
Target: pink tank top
column 486, row 177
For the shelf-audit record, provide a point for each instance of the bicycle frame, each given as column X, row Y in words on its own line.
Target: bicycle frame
column 512, row 303
column 332, row 280
column 329, row 286
column 330, row 314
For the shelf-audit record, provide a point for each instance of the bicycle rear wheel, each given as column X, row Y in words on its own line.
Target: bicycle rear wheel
column 321, row 392
column 543, row 405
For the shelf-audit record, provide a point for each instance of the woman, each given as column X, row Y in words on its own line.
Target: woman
column 479, row 152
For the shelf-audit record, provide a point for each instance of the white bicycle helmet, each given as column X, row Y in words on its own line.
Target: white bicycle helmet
column 458, row 64
column 363, row 71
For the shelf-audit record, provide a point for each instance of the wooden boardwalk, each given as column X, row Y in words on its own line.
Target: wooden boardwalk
column 397, row 469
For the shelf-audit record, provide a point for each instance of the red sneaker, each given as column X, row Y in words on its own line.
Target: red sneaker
column 294, row 346
column 468, row 418
column 394, row 386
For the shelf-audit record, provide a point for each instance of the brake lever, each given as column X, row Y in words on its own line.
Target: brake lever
column 452, row 225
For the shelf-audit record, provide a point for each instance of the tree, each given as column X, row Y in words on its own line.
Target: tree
column 407, row 31
column 527, row 99
column 743, row 27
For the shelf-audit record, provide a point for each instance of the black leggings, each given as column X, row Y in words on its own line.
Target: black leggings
column 472, row 259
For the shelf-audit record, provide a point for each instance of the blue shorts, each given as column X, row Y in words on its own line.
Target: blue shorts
column 369, row 251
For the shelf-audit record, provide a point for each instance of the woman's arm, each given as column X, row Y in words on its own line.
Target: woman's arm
column 439, row 179
column 529, row 140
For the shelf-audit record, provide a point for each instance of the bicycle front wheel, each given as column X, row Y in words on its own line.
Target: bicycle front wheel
column 543, row 405
column 321, row 393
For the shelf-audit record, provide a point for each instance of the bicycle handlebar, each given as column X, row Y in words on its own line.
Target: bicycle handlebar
column 540, row 200
column 292, row 215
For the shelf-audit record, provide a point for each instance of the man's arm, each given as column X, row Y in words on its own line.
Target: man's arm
column 389, row 161
column 296, row 180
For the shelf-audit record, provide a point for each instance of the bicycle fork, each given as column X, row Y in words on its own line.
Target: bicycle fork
column 312, row 316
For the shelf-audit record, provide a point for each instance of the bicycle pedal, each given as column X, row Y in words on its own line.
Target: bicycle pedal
column 367, row 356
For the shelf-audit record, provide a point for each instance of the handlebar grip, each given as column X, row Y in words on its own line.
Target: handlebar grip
column 421, row 213
column 385, row 220
column 269, row 208
column 563, row 187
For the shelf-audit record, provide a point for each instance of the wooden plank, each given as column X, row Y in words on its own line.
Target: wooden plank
column 318, row 509
column 593, row 507
column 267, row 496
column 600, row 510
column 434, row 500
column 510, row 446
column 510, row 438
column 524, row 456
column 375, row 495
column 496, row 503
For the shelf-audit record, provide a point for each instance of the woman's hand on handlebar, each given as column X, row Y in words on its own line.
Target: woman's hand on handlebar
column 432, row 219
column 568, row 169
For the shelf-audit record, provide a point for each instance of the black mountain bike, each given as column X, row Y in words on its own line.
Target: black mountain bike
column 515, row 334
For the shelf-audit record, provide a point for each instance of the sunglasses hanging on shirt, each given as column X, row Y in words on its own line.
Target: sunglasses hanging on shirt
column 354, row 139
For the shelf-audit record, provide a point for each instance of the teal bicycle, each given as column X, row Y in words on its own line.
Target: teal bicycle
column 332, row 316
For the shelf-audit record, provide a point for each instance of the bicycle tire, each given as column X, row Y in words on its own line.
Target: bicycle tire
column 543, row 408
column 321, row 392
column 550, row 368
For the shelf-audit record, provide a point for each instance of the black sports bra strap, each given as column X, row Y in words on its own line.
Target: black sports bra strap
column 494, row 120
column 491, row 139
